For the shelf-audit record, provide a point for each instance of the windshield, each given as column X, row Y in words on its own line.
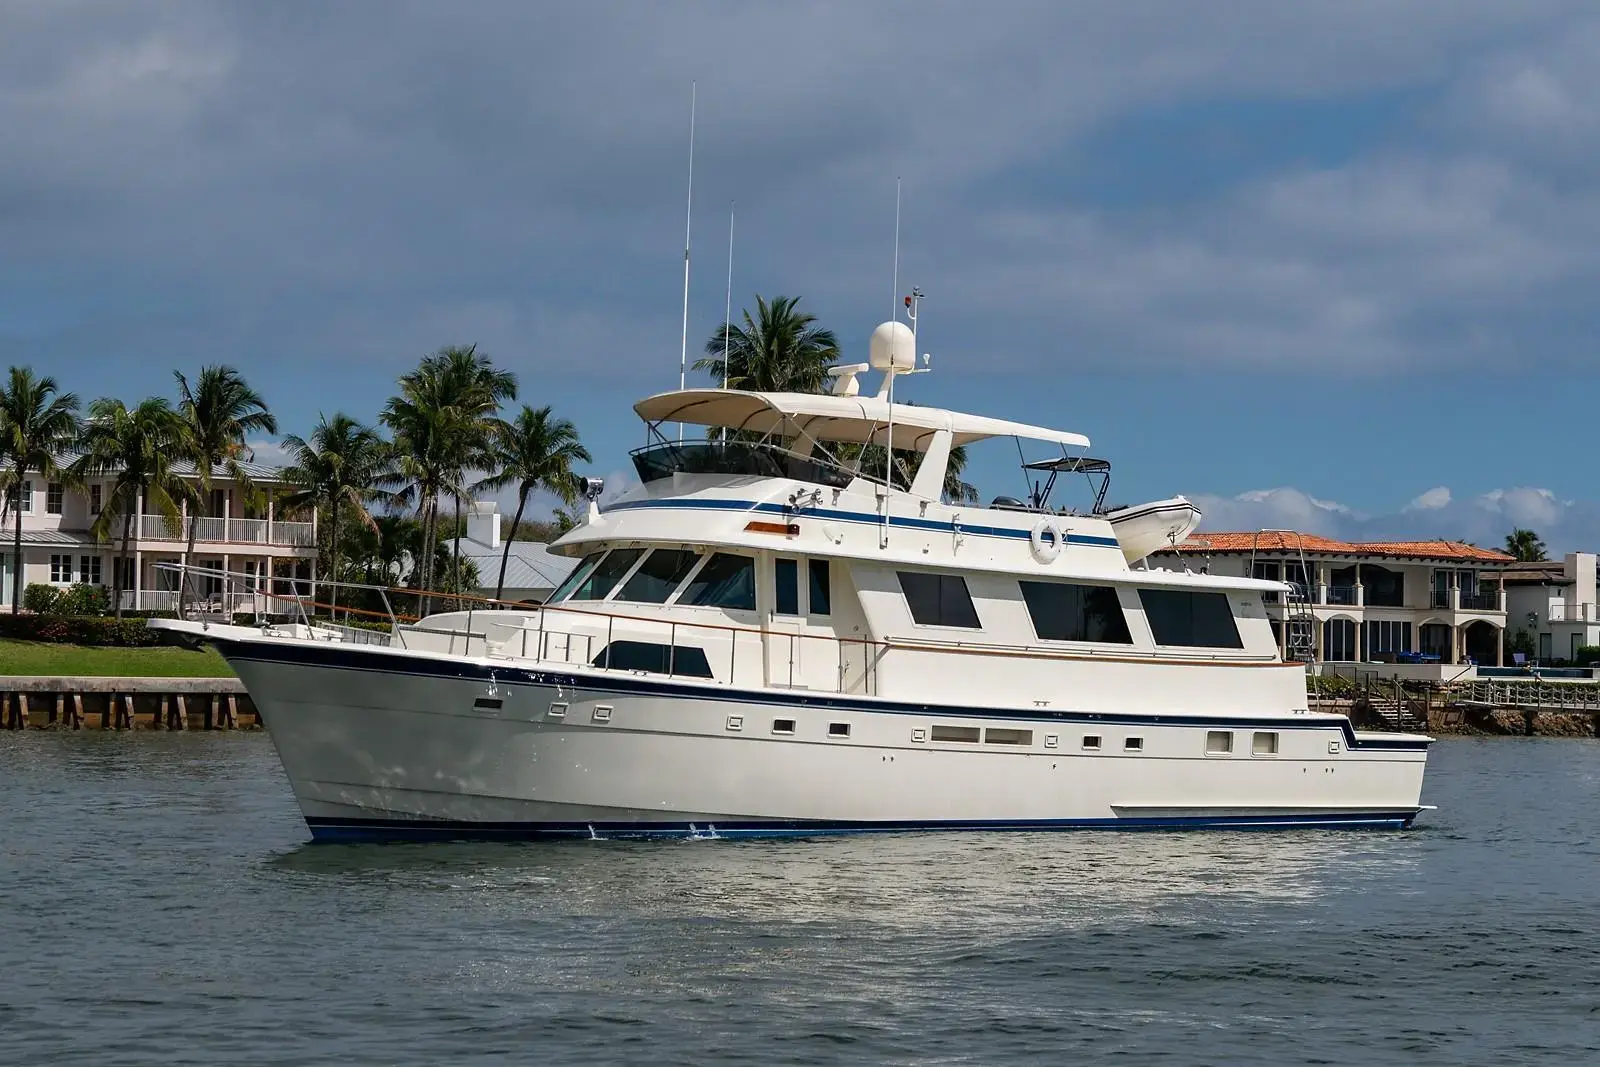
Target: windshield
column 734, row 457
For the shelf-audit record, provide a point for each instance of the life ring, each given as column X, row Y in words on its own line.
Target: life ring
column 1047, row 540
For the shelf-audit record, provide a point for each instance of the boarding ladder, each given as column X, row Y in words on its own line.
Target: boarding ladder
column 1299, row 621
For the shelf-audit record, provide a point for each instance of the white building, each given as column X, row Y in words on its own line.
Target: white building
column 1555, row 603
column 59, row 550
column 1429, row 602
column 532, row 570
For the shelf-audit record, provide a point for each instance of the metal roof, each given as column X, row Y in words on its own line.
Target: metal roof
column 530, row 565
column 258, row 472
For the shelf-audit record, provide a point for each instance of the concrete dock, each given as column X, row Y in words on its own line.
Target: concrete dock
column 125, row 704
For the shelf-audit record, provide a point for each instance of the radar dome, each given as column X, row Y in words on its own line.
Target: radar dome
column 893, row 346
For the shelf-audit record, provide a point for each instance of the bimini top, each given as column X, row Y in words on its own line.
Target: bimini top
column 825, row 417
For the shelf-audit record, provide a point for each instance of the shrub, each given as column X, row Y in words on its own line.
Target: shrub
column 83, row 599
column 40, row 599
column 1587, row 656
column 79, row 630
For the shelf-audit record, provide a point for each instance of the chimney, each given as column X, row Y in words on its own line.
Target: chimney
column 483, row 523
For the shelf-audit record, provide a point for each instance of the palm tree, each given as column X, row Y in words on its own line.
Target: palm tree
column 781, row 350
column 218, row 414
column 137, row 445
column 1525, row 545
column 533, row 451
column 443, row 424
column 37, row 422
column 957, row 491
column 339, row 468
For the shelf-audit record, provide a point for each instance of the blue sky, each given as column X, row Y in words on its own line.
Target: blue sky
column 1318, row 265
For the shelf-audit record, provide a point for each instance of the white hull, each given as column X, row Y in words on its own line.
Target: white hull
column 383, row 744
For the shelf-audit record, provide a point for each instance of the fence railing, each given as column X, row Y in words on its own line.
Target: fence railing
column 212, row 529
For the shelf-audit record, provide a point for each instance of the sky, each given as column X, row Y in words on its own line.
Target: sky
column 1325, row 266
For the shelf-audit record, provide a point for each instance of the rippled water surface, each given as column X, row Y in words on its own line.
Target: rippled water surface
column 159, row 904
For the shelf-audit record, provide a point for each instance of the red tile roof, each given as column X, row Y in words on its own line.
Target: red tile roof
column 1312, row 543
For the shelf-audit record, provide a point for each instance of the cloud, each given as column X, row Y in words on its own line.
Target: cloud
column 1432, row 500
column 1486, row 519
column 291, row 187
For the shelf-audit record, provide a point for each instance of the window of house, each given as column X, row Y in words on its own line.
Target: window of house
column 786, row 587
column 658, row 576
column 1339, row 639
column 938, row 599
column 1190, row 618
column 27, row 498
column 821, row 589
column 606, row 574
column 52, row 498
column 579, row 573
column 94, row 501
column 685, row 660
column 1387, row 635
column 89, row 569
column 1065, row 612
column 726, row 581
column 61, row 569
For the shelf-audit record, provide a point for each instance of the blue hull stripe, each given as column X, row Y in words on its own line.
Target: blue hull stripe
column 358, row 659
column 328, row 829
column 902, row 521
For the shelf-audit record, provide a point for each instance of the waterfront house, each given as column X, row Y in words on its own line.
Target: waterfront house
column 532, row 570
column 1555, row 603
column 59, row 550
column 1437, row 603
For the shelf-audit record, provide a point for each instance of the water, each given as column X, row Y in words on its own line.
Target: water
column 159, row 905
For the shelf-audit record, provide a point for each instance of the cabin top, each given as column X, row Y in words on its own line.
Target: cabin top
column 827, row 417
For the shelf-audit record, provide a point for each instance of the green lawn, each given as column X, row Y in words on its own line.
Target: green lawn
column 38, row 658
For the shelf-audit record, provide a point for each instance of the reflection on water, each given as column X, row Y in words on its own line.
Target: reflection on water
column 146, row 881
column 923, row 881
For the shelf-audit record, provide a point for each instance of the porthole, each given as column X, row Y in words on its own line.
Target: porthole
column 1133, row 744
column 1264, row 744
column 783, row 726
column 838, row 729
column 1219, row 743
column 1091, row 742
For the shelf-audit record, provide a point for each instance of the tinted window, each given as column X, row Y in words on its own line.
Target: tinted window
column 685, row 660
column 938, row 599
column 1064, row 612
column 606, row 574
column 786, row 587
column 821, row 591
column 658, row 576
column 1182, row 617
column 724, row 582
column 579, row 573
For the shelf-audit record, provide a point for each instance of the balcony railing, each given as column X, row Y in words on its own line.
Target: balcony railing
column 209, row 529
column 1560, row 611
column 1480, row 601
column 1342, row 594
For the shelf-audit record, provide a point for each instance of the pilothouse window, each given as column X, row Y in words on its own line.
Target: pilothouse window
column 1063, row 612
column 726, row 581
column 606, row 574
column 1188, row 618
column 579, row 573
column 658, row 576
